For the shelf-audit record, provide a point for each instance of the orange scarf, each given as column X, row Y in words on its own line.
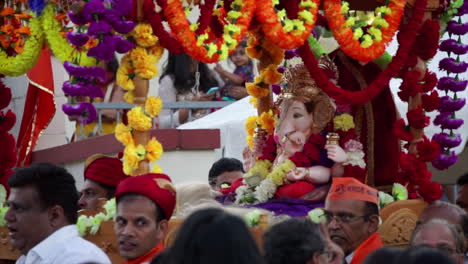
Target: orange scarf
column 372, row 243
column 146, row 258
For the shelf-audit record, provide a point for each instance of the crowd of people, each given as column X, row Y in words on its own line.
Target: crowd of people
column 44, row 202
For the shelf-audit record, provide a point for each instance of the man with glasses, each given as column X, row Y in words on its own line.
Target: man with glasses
column 352, row 217
column 441, row 235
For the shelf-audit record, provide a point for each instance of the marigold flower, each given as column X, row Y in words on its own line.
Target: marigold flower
column 128, row 97
column 123, row 134
column 343, row 122
column 154, row 150
column 8, row 11
column 271, row 75
column 251, row 124
column 138, row 120
column 153, row 106
column 267, row 121
column 256, row 91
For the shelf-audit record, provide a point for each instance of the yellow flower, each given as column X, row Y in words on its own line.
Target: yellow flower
column 154, row 150
column 234, row 14
column 224, row 52
column 281, row 14
column 307, row 3
column 271, row 75
column 138, row 120
column 147, row 71
column 350, row 21
column 129, row 96
column 123, row 134
column 153, row 106
column 344, row 7
column 298, row 27
column 212, row 49
column 288, row 25
column 279, row 172
column 267, row 121
column 201, row 39
column 380, row 22
column 194, row 26
column 231, row 28
column 307, row 16
column 156, row 169
column 256, row 91
column 357, row 33
column 156, row 50
column 260, row 168
column 250, row 142
column 367, row 42
column 124, row 74
column 376, row 33
column 343, row 122
column 143, row 35
column 251, row 124
column 131, row 159
column 253, row 101
column 144, row 63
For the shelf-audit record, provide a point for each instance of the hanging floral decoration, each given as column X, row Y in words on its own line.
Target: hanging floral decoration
column 20, row 45
column 284, row 32
column 266, row 122
column 141, row 61
column 407, row 39
column 451, row 84
column 8, row 155
column 101, row 20
column 363, row 36
column 140, row 119
column 200, row 46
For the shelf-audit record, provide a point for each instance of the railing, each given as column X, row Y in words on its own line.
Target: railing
column 173, row 106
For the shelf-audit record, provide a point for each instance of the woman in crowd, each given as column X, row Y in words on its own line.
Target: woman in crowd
column 179, row 83
column 212, row 236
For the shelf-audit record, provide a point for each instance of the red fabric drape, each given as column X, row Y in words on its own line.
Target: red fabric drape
column 39, row 107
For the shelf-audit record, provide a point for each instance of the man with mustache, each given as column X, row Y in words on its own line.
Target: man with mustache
column 145, row 204
column 102, row 175
column 351, row 210
column 41, row 217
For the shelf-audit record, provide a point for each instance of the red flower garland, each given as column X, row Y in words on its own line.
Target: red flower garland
column 373, row 89
column 154, row 19
column 7, row 121
column 401, row 130
column 417, row 118
column 8, row 155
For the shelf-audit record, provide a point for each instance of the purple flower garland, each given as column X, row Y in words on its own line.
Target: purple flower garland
column 104, row 18
column 450, row 103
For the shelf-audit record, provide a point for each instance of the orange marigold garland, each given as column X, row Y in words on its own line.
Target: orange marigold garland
column 363, row 44
column 202, row 47
column 284, row 32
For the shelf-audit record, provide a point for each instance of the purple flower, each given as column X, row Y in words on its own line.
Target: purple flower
column 77, row 19
column 112, row 16
column 77, row 39
column 92, row 9
column 281, row 69
column 451, row 45
column 122, row 45
column 104, row 50
column 441, row 118
column 100, row 27
column 446, row 121
column 458, row 29
column 276, row 89
column 289, row 54
column 463, row 10
column 124, row 26
column 447, row 104
column 451, row 66
column 74, row 89
column 447, row 141
column 89, row 114
column 444, row 161
column 94, row 90
column 123, row 6
column 73, row 109
column 450, row 84
column 88, row 73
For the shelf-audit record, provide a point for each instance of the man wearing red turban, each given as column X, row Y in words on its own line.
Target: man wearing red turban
column 351, row 210
column 102, row 175
column 145, row 204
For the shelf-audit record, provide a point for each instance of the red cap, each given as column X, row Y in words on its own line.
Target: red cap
column 156, row 187
column 104, row 169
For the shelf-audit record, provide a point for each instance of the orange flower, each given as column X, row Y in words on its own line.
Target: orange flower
column 19, row 46
column 62, row 18
column 23, row 30
column 92, row 42
column 271, row 75
column 4, row 41
column 256, row 90
column 7, row 29
column 8, row 11
column 22, row 16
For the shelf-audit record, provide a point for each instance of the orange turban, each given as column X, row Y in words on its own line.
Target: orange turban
column 345, row 188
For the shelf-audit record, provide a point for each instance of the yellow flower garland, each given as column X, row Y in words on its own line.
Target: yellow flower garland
column 343, row 122
column 154, row 150
column 267, row 121
column 132, row 157
column 123, row 134
column 260, row 168
column 58, row 43
column 153, row 106
column 21, row 63
column 279, row 172
column 143, row 35
column 138, row 120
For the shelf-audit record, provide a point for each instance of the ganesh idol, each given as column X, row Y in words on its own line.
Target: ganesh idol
column 297, row 158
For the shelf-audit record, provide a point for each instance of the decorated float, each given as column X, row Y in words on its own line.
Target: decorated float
column 321, row 112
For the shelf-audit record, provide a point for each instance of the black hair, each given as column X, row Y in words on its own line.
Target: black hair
column 224, row 165
column 212, row 236
column 178, row 67
column 294, row 241
column 416, row 255
column 463, row 180
column 129, row 197
column 370, row 209
column 54, row 185
column 110, row 190
column 385, row 255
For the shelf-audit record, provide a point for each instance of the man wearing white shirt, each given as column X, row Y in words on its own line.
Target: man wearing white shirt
column 43, row 205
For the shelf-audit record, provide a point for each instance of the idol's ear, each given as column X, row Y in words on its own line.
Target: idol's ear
column 323, row 112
